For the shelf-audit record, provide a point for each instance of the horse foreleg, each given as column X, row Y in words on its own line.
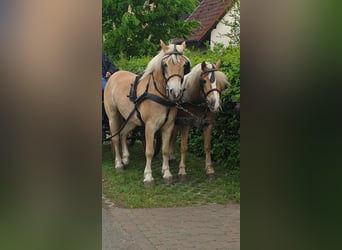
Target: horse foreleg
column 207, row 147
column 166, row 137
column 149, row 152
column 184, row 150
column 173, row 144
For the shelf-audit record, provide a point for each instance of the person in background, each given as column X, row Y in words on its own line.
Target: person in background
column 108, row 68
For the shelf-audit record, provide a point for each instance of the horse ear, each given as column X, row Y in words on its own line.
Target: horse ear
column 183, row 45
column 204, row 66
column 218, row 64
column 163, row 45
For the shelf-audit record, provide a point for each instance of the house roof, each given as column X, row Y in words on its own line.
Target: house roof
column 208, row 13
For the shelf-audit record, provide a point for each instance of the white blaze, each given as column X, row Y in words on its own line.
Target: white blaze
column 215, row 93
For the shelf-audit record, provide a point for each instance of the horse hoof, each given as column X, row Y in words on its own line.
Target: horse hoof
column 168, row 181
column 148, row 183
column 119, row 169
column 182, row 177
column 211, row 176
column 125, row 161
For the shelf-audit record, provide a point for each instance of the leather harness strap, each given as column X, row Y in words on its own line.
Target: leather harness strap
column 211, row 79
column 148, row 96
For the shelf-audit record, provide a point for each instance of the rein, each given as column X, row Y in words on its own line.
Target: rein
column 202, row 82
column 148, row 96
column 155, row 98
column 203, row 106
column 197, row 120
column 156, row 87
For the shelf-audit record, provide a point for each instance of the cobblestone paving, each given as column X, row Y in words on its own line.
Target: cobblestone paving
column 202, row 227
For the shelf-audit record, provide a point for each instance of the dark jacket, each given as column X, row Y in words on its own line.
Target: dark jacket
column 107, row 65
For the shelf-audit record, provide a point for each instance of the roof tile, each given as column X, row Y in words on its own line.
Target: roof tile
column 208, row 13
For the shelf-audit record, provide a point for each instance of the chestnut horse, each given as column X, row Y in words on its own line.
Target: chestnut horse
column 201, row 100
column 153, row 105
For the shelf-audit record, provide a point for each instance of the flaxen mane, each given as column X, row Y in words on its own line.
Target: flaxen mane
column 155, row 63
column 221, row 79
column 194, row 76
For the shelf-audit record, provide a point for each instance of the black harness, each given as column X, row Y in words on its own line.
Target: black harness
column 212, row 79
column 194, row 120
column 147, row 96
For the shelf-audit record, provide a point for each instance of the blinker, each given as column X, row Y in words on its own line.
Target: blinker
column 212, row 77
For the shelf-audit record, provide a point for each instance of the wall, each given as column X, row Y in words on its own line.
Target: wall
column 217, row 34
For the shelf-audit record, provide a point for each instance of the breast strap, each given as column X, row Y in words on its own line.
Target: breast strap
column 147, row 96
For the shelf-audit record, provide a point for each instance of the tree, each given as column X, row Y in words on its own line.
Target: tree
column 134, row 27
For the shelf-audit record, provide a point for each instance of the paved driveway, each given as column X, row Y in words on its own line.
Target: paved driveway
column 203, row 227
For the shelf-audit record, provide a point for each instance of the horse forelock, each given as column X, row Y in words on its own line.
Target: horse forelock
column 221, row 78
column 178, row 48
column 155, row 63
column 174, row 59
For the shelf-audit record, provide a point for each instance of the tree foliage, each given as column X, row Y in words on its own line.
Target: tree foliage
column 234, row 24
column 134, row 27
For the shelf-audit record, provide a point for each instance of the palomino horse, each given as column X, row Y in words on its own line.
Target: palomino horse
column 151, row 103
column 201, row 100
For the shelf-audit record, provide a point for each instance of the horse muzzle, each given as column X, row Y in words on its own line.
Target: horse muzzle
column 175, row 94
column 214, row 105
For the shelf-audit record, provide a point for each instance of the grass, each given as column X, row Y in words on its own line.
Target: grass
column 126, row 188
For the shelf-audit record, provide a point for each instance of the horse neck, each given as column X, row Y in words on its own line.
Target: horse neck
column 193, row 91
column 157, row 81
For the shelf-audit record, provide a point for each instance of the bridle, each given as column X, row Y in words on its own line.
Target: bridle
column 146, row 95
column 166, row 79
column 212, row 79
column 202, row 106
column 167, row 55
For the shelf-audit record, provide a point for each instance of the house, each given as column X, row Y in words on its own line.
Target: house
column 210, row 14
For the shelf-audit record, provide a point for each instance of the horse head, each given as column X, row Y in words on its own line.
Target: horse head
column 174, row 66
column 212, row 83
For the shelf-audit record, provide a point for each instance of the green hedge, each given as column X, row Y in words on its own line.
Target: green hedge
column 226, row 134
